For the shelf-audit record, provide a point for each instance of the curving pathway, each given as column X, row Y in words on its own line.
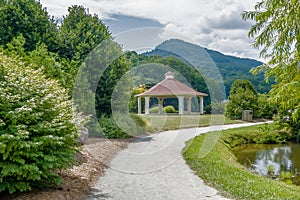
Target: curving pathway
column 152, row 168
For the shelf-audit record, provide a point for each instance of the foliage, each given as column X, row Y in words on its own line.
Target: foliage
column 262, row 134
column 215, row 108
column 138, row 120
column 243, row 96
column 221, row 169
column 277, row 33
column 29, row 19
column 265, row 109
column 111, row 130
column 230, row 67
column 107, row 83
column 38, row 128
column 169, row 109
column 80, row 33
column 50, row 63
column 151, row 75
column 133, row 104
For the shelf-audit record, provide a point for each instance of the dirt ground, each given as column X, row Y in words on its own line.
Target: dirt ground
column 95, row 156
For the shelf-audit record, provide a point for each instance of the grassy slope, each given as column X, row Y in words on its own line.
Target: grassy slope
column 220, row 169
column 172, row 122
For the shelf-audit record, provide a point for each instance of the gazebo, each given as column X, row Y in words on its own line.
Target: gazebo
column 170, row 88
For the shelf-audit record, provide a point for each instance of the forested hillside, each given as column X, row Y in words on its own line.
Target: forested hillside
column 230, row 67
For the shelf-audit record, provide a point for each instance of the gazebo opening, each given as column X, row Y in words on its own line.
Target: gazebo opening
column 168, row 89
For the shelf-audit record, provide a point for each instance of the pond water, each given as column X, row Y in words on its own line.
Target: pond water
column 262, row 159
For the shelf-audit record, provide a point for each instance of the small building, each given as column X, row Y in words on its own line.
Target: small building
column 170, row 88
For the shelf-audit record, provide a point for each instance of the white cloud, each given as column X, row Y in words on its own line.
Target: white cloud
column 213, row 24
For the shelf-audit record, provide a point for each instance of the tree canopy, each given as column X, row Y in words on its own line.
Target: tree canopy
column 277, row 34
column 80, row 32
column 29, row 19
column 242, row 96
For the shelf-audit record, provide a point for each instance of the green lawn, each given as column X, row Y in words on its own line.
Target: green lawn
column 221, row 169
column 172, row 122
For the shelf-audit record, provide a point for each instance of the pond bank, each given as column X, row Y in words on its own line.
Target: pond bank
column 221, row 169
column 277, row 161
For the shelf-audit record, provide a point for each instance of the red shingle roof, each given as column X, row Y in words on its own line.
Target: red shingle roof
column 171, row 87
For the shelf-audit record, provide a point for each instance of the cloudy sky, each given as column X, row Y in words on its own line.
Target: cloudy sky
column 214, row 24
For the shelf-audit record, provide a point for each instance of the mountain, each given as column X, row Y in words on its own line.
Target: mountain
column 209, row 61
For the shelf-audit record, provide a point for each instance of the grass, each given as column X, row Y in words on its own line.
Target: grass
column 221, row 169
column 175, row 121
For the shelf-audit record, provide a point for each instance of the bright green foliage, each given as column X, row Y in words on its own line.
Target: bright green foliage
column 265, row 109
column 80, row 33
column 277, row 34
column 38, row 128
column 50, row 63
column 169, row 109
column 133, row 102
column 243, row 96
column 26, row 17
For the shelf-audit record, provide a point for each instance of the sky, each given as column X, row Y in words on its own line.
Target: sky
column 214, row 24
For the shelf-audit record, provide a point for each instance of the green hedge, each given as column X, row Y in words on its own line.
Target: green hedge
column 38, row 130
column 167, row 109
column 130, row 127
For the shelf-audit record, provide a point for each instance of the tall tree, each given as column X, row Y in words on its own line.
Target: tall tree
column 243, row 96
column 80, row 32
column 277, row 34
column 27, row 18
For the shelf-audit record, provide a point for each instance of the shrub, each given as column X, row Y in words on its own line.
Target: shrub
column 169, row 109
column 242, row 96
column 111, row 129
column 265, row 108
column 215, row 108
column 38, row 132
column 138, row 120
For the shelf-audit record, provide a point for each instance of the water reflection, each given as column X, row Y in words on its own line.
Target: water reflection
column 278, row 157
column 259, row 158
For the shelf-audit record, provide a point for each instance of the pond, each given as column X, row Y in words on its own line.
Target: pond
column 275, row 161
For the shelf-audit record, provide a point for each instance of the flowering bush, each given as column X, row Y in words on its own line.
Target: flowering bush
column 38, row 130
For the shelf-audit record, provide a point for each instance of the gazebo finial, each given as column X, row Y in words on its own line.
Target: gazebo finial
column 169, row 75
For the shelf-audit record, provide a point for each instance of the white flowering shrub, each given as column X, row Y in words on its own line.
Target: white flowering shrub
column 38, row 132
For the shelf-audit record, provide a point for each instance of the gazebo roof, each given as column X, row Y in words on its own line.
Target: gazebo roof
column 171, row 87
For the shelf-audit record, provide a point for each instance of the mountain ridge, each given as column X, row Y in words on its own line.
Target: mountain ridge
column 230, row 67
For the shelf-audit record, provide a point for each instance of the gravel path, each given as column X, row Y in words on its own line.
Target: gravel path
column 153, row 168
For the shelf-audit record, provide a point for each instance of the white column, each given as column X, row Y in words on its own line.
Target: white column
column 180, row 105
column 201, row 104
column 189, row 105
column 147, row 105
column 139, row 105
column 160, row 106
